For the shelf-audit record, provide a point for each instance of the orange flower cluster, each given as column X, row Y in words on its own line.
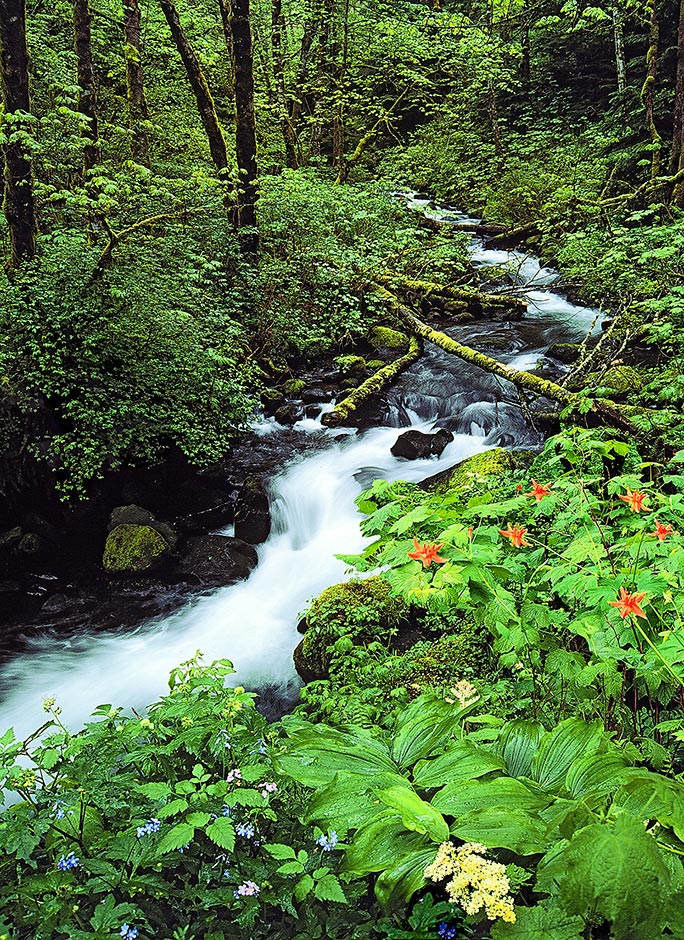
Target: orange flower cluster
column 629, row 603
column 427, row 553
column 635, row 500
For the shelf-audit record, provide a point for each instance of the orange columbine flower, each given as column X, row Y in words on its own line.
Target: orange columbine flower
column 427, row 553
column 539, row 490
column 635, row 500
column 662, row 530
column 515, row 534
column 629, row 604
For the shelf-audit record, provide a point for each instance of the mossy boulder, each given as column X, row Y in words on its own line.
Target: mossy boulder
column 132, row 549
column 382, row 337
column 293, row 387
column 361, row 610
column 375, row 364
column 350, row 364
column 566, row 353
column 621, row 381
column 489, row 463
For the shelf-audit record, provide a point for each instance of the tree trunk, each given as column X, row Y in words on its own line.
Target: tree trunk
column 648, row 88
column 677, row 158
column 245, row 125
column 224, row 6
column 494, row 118
column 297, row 104
column 619, row 40
column 18, row 203
column 137, row 103
column 87, row 101
column 198, row 82
column 289, row 136
column 525, row 64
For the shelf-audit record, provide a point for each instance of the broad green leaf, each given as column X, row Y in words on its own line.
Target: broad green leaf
column 396, row 885
column 222, row 832
column 176, row 838
column 154, row 791
column 291, row 868
column 596, row 773
column 349, row 801
column 517, row 743
column 463, row 761
column 466, row 796
column 569, row 740
column 503, row 829
column 172, row 808
column 316, row 753
column 651, row 796
column 198, row 820
column 416, row 814
column 424, row 725
column 303, row 887
column 380, row 844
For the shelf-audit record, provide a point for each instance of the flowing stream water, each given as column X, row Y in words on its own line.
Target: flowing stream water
column 253, row 623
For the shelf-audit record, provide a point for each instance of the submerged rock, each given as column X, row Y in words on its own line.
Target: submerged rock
column 414, row 445
column 252, row 512
column 361, row 610
column 132, row 549
column 216, row 560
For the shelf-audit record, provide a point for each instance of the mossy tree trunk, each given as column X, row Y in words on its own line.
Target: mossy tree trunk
column 288, row 131
column 677, row 157
column 137, row 103
column 200, row 87
column 648, row 88
column 87, row 100
column 18, row 202
column 245, row 126
column 618, row 17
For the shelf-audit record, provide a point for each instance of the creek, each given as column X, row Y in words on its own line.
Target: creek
column 253, row 623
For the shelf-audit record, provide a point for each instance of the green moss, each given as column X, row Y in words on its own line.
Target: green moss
column 271, row 394
column 622, row 381
column 347, row 364
column 360, row 610
column 382, row 337
column 294, row 386
column 375, row 364
column 133, row 548
column 490, row 463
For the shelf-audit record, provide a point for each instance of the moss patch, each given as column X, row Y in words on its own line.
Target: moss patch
column 622, row 381
column 133, row 548
column 382, row 337
column 490, row 463
column 348, row 364
column 294, row 386
column 361, row 610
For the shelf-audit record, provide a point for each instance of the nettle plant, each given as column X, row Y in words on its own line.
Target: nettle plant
column 580, row 578
column 174, row 825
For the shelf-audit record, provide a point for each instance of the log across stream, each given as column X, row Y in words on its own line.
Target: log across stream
column 253, row 623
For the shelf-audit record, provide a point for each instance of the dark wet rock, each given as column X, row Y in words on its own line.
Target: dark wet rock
column 252, row 512
column 217, row 517
column 288, row 414
column 10, row 538
column 566, row 353
column 271, row 400
column 316, row 396
column 414, row 445
column 216, row 560
column 33, row 545
column 136, row 515
column 134, row 549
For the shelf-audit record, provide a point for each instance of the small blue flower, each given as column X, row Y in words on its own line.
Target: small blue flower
column 446, row 932
column 329, row 841
column 226, row 810
column 182, row 848
column 128, row 933
column 246, row 830
column 152, row 825
column 67, row 862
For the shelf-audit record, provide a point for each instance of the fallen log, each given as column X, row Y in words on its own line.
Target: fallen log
column 379, row 381
column 608, row 410
column 470, row 296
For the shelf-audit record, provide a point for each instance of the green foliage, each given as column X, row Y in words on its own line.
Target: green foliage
column 166, row 817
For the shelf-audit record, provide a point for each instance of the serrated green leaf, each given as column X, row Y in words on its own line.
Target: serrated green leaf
column 279, row 851
column 328, row 888
column 222, row 832
column 175, row 838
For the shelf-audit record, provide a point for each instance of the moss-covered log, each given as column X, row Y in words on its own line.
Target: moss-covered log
column 470, row 296
column 379, row 381
column 608, row 411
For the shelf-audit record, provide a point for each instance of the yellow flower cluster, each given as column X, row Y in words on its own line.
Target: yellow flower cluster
column 464, row 692
column 476, row 882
